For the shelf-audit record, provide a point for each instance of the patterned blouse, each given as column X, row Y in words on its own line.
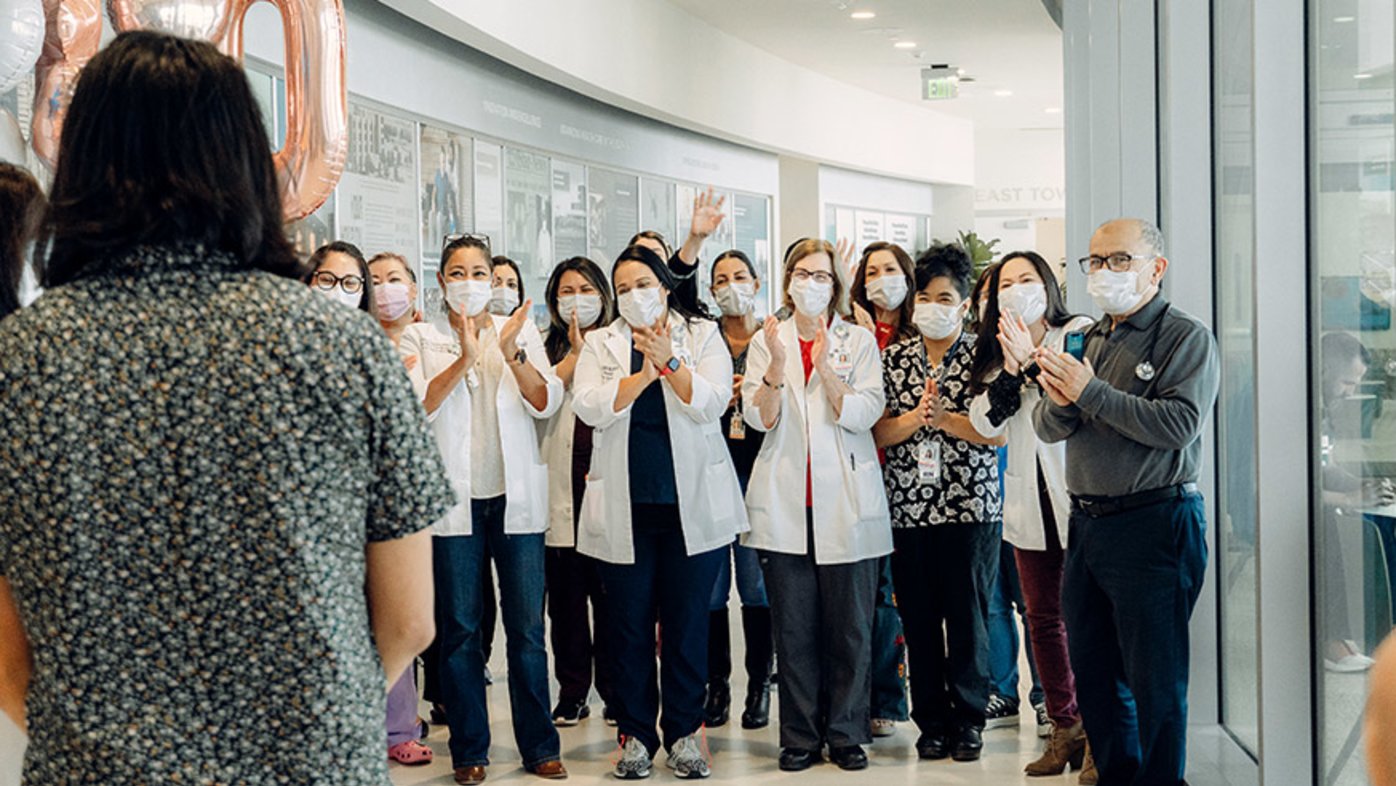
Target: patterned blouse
column 968, row 487
column 193, row 459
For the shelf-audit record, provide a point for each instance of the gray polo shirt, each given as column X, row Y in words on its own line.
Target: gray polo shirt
column 1138, row 424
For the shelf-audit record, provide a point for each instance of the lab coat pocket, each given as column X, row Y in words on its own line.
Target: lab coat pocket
column 719, row 479
column 594, row 503
column 869, row 490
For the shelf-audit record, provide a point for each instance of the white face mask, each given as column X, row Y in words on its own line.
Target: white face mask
column 888, row 291
column 1115, row 293
column 736, row 299
column 641, row 307
column 810, row 297
column 350, row 299
column 394, row 301
column 937, row 321
column 586, row 307
column 503, row 301
column 1028, row 301
column 471, row 296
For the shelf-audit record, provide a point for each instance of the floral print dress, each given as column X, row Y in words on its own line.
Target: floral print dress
column 194, row 457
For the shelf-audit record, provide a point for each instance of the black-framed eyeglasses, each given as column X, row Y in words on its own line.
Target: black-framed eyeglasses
column 819, row 276
column 1116, row 263
column 326, row 280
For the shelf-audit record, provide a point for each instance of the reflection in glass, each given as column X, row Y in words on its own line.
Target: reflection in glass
column 1353, row 259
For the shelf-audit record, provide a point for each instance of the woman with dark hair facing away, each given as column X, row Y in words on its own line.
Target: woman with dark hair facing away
column 814, row 386
column 662, row 503
column 579, row 301
column 506, row 288
column 339, row 271
column 942, row 480
column 881, row 302
column 22, row 207
column 735, row 287
column 1025, row 306
column 485, row 383
column 238, row 500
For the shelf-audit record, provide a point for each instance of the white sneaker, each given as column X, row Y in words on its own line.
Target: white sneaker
column 1044, row 721
column 882, row 727
column 1352, row 663
column 634, row 761
column 686, row 759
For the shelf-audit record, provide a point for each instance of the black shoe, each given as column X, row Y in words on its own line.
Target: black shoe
column 609, row 715
column 438, row 714
column 569, row 712
column 849, row 757
column 969, row 743
column 796, row 759
column 933, row 746
column 758, row 707
column 718, row 705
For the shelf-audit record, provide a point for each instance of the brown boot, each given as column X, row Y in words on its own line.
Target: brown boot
column 1089, row 776
column 1065, row 746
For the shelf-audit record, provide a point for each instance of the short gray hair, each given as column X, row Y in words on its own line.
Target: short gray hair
column 1150, row 235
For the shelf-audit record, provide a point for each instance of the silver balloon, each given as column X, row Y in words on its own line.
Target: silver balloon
column 21, row 38
column 12, row 144
column 202, row 19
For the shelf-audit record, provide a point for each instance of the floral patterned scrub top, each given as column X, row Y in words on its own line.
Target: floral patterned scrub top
column 193, row 458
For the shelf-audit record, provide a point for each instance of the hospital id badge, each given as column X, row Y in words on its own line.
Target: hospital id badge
column 737, row 429
column 928, row 463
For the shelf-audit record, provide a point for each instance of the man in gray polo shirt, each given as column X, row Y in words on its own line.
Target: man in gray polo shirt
column 1131, row 412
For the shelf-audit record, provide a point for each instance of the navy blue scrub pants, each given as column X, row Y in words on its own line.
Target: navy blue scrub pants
column 1131, row 582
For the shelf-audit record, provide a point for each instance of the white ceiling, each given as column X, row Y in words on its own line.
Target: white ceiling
column 1005, row 45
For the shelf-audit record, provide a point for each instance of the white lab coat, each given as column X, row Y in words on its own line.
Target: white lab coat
column 525, row 474
column 1022, row 507
column 556, row 435
column 851, row 519
column 710, row 498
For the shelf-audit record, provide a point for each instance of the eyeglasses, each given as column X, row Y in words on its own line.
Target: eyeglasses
column 1119, row 262
column 326, row 280
column 447, row 240
column 819, row 276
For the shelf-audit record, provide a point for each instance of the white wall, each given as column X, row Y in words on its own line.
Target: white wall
column 652, row 57
column 1020, row 172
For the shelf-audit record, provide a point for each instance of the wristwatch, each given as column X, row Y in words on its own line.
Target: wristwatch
column 520, row 357
column 670, row 367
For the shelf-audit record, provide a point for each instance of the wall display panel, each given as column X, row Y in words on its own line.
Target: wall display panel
column 489, row 191
column 377, row 195
column 569, row 210
column 528, row 231
column 901, row 229
column 447, row 189
column 751, row 226
column 657, row 207
column 872, row 227
column 613, row 213
column 432, row 299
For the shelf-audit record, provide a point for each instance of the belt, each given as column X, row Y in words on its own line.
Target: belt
column 1096, row 507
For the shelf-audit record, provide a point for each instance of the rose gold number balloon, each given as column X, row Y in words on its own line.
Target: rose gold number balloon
column 72, row 35
column 317, row 113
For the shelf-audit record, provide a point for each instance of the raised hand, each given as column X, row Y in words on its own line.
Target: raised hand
column 574, row 335
column 771, row 329
column 846, row 248
column 1015, row 341
column 863, row 319
column 819, row 350
column 935, row 408
column 469, row 338
column 509, row 334
column 707, row 213
column 411, row 361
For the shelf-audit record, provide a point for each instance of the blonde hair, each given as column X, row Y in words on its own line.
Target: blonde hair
column 838, row 303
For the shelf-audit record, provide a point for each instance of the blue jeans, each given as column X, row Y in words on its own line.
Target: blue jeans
column 1007, row 598
column 518, row 559
column 1131, row 582
column 889, row 700
column 751, row 587
column 661, row 584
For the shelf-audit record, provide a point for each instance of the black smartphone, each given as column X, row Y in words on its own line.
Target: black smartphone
column 1076, row 344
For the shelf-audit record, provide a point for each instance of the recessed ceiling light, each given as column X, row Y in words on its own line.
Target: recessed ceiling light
column 863, row 15
column 905, row 45
column 1003, row 93
column 1344, row 19
column 1053, row 110
column 1361, row 76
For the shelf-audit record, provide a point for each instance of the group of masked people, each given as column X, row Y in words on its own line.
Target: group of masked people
column 621, row 468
